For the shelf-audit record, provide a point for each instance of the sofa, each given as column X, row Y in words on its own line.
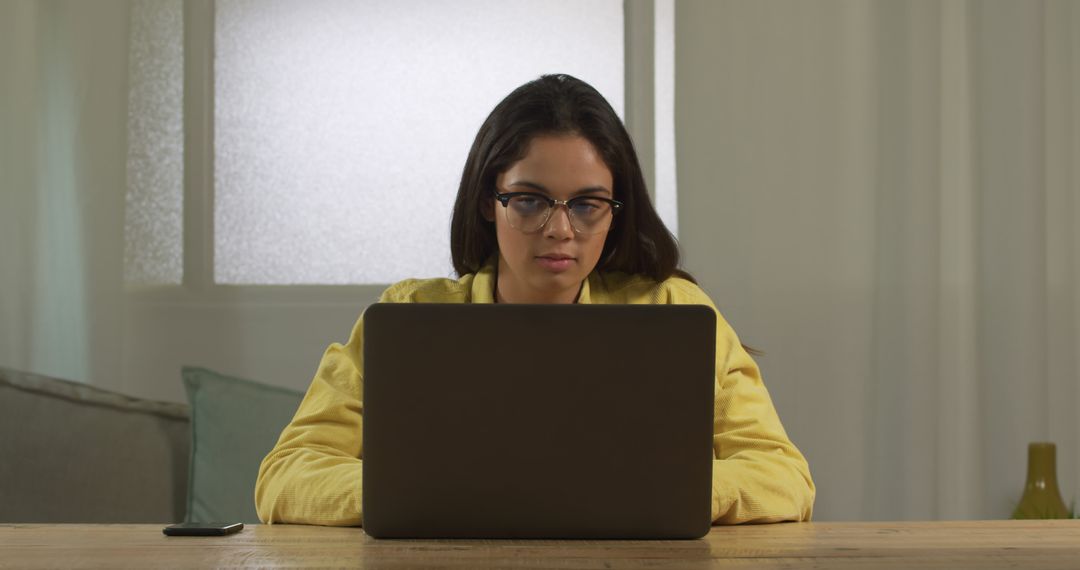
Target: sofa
column 73, row 453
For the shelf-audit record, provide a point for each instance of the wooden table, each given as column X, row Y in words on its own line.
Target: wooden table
column 981, row 544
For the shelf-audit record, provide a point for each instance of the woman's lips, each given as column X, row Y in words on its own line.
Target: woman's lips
column 556, row 264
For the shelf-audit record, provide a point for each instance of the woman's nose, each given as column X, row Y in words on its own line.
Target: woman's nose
column 558, row 225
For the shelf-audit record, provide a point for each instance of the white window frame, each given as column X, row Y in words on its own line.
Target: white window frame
column 198, row 284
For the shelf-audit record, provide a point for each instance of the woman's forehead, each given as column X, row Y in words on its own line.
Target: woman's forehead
column 561, row 163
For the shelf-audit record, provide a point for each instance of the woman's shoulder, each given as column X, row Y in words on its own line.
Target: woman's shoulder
column 624, row 288
column 435, row 290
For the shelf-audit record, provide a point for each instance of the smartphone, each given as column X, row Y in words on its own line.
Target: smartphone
column 202, row 529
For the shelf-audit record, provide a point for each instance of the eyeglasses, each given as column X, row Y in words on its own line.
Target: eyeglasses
column 528, row 212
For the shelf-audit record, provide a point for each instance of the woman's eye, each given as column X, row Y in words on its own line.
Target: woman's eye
column 587, row 207
column 528, row 204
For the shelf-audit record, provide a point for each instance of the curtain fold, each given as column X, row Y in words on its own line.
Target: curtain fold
column 958, row 451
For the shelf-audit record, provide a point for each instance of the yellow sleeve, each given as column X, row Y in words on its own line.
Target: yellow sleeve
column 312, row 476
column 759, row 475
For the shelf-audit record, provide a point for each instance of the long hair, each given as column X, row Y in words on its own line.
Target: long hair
column 637, row 243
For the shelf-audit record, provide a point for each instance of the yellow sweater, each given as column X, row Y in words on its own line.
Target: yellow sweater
column 313, row 474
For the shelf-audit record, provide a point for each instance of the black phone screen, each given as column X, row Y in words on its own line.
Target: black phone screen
column 202, row 529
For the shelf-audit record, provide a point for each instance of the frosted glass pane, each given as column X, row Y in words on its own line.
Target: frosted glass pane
column 664, row 118
column 341, row 127
column 153, row 218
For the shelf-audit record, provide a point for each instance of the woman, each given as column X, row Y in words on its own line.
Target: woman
column 552, row 208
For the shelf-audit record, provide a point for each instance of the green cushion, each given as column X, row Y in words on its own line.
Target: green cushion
column 234, row 424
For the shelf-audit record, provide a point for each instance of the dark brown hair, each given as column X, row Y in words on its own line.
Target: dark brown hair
column 637, row 243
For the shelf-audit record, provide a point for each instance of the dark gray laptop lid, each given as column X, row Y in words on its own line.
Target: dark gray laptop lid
column 538, row 421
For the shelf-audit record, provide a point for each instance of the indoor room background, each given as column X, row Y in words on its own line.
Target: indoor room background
column 881, row 196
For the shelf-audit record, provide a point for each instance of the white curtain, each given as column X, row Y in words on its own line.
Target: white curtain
column 63, row 117
column 883, row 196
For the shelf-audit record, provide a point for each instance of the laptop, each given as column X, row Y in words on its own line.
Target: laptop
column 538, row 421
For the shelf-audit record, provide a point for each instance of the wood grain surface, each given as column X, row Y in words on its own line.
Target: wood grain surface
column 969, row 544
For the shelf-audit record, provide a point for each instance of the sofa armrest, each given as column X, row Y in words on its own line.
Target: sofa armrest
column 73, row 453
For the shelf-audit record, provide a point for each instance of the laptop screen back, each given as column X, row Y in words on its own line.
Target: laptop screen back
column 538, row 421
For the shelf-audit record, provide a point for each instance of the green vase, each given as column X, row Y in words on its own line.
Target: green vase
column 1042, row 499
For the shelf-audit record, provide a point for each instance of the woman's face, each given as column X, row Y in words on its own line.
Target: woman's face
column 548, row 265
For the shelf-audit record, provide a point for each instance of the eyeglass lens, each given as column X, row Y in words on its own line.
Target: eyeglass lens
column 530, row 213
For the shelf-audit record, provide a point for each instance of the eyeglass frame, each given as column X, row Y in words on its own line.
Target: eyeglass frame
column 505, row 197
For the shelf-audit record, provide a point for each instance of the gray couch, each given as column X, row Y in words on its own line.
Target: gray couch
column 72, row 453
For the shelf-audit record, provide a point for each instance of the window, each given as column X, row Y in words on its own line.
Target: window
column 153, row 217
column 326, row 113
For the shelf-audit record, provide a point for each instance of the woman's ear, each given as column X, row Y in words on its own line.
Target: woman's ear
column 487, row 209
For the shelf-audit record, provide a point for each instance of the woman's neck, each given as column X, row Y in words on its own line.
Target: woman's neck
column 507, row 291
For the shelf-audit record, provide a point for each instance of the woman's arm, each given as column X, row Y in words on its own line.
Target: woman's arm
column 758, row 474
column 313, row 474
